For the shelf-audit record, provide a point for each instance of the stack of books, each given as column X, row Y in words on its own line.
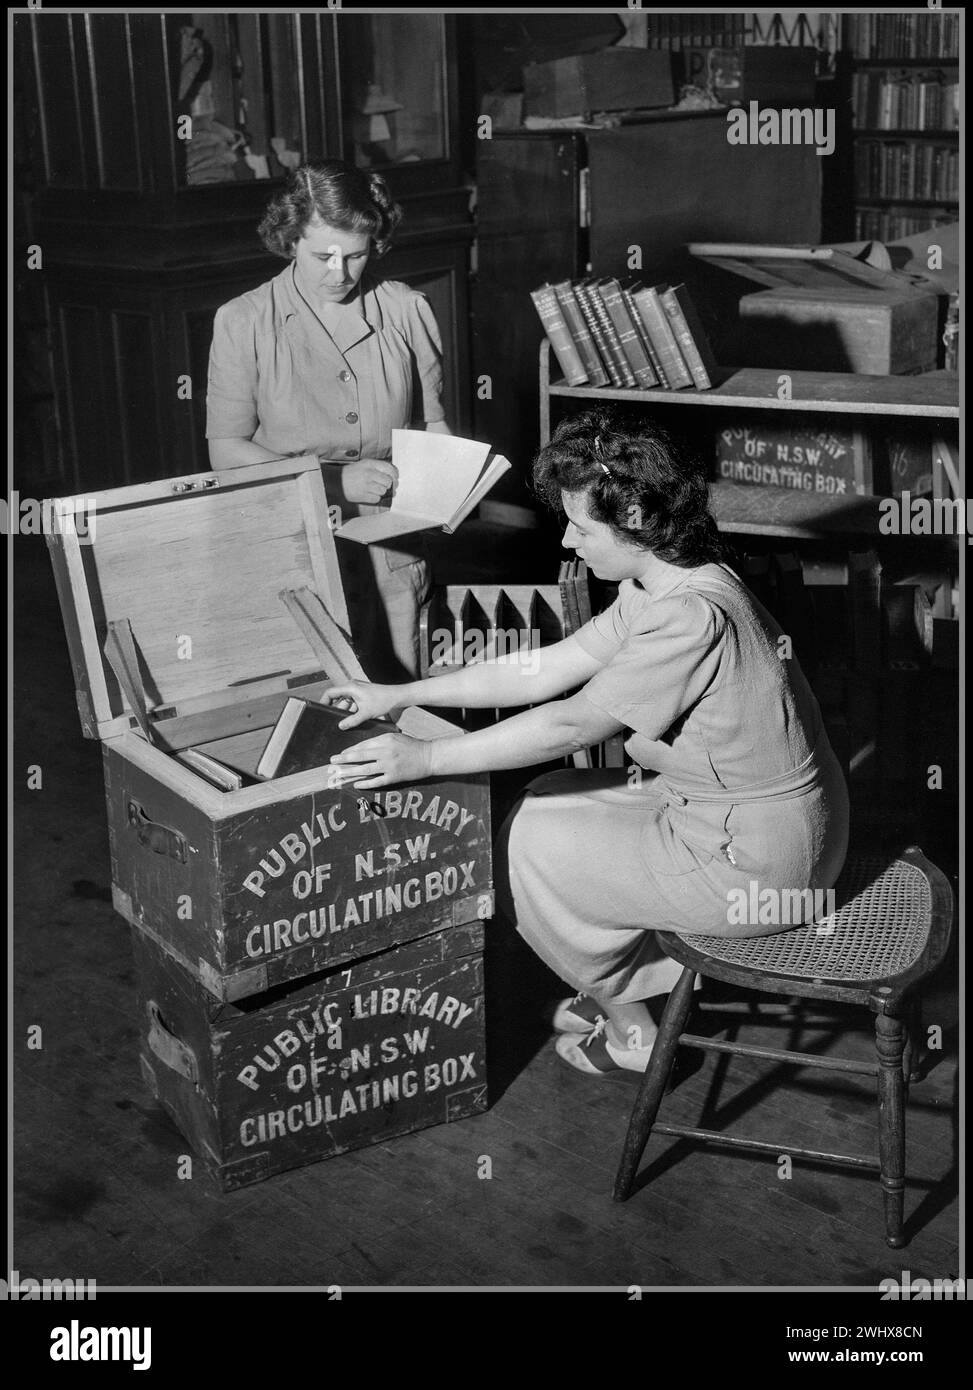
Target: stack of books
column 608, row 333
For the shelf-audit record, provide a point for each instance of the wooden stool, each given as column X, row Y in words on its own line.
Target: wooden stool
column 889, row 932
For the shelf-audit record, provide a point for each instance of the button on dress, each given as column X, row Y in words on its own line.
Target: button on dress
column 336, row 382
column 732, row 783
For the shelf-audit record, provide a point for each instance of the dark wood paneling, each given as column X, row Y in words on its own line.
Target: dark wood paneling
column 527, row 213
column 60, row 113
column 123, row 236
column 640, row 194
column 110, row 59
column 441, row 271
column 94, row 459
column 138, row 381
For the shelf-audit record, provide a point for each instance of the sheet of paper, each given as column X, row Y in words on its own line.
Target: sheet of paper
column 436, row 472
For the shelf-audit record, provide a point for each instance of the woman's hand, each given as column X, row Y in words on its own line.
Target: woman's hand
column 382, row 761
column 363, row 700
column 368, row 480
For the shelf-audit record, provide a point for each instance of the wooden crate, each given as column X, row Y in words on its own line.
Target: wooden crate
column 610, row 80
column 828, row 311
column 806, row 453
column 872, row 332
column 392, row 1044
column 222, row 595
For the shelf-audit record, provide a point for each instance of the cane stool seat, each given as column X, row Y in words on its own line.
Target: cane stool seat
column 879, row 928
column 888, row 932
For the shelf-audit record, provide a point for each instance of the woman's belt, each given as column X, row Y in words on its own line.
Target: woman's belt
column 797, row 782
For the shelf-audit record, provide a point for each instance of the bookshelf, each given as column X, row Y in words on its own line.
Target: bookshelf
column 905, row 104
column 769, row 511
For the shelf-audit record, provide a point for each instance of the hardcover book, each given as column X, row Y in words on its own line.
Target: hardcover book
column 629, row 290
column 628, row 334
column 604, row 295
column 615, row 360
column 675, row 372
column 691, row 336
column 306, row 735
column 581, row 333
column 554, row 325
column 582, row 295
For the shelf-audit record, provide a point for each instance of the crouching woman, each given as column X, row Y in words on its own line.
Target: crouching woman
column 733, row 788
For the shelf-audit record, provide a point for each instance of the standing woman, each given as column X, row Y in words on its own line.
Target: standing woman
column 739, row 788
column 328, row 359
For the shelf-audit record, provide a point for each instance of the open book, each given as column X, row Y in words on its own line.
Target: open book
column 441, row 480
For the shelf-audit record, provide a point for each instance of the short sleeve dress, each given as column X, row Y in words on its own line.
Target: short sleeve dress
column 733, row 783
column 336, row 381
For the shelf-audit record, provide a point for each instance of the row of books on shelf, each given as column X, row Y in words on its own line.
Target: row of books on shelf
column 892, row 224
column 905, row 101
column 902, row 35
column 906, row 169
column 678, row 31
column 609, row 333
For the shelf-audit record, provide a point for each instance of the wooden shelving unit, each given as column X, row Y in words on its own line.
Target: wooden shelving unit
column 771, row 511
column 880, row 203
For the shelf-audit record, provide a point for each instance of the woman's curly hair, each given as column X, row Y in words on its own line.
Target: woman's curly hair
column 336, row 193
column 643, row 482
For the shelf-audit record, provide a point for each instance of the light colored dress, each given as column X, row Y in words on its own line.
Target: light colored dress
column 336, row 381
column 740, row 787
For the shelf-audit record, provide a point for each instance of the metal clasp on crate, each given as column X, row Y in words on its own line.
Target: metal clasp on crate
column 196, row 484
column 160, row 839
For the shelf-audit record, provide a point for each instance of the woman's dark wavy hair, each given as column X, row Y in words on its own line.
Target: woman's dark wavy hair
column 643, row 482
column 339, row 194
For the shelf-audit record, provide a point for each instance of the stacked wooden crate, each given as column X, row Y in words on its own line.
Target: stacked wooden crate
column 309, row 957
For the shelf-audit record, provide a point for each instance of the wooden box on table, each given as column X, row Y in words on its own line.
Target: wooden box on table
column 194, row 608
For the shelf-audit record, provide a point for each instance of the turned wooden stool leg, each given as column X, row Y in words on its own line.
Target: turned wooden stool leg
column 890, row 1045
column 654, row 1082
column 912, row 1056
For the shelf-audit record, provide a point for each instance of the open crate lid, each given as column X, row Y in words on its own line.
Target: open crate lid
column 823, row 270
column 196, row 565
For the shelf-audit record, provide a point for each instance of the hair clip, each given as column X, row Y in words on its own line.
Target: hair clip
column 596, row 449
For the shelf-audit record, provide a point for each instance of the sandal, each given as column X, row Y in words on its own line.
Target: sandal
column 591, row 1054
column 577, row 1015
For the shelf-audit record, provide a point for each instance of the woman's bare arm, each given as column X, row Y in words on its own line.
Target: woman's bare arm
column 537, row 736
column 540, row 735
column 519, row 678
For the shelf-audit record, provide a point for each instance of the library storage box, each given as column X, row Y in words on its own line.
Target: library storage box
column 194, row 608
column 353, row 1056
